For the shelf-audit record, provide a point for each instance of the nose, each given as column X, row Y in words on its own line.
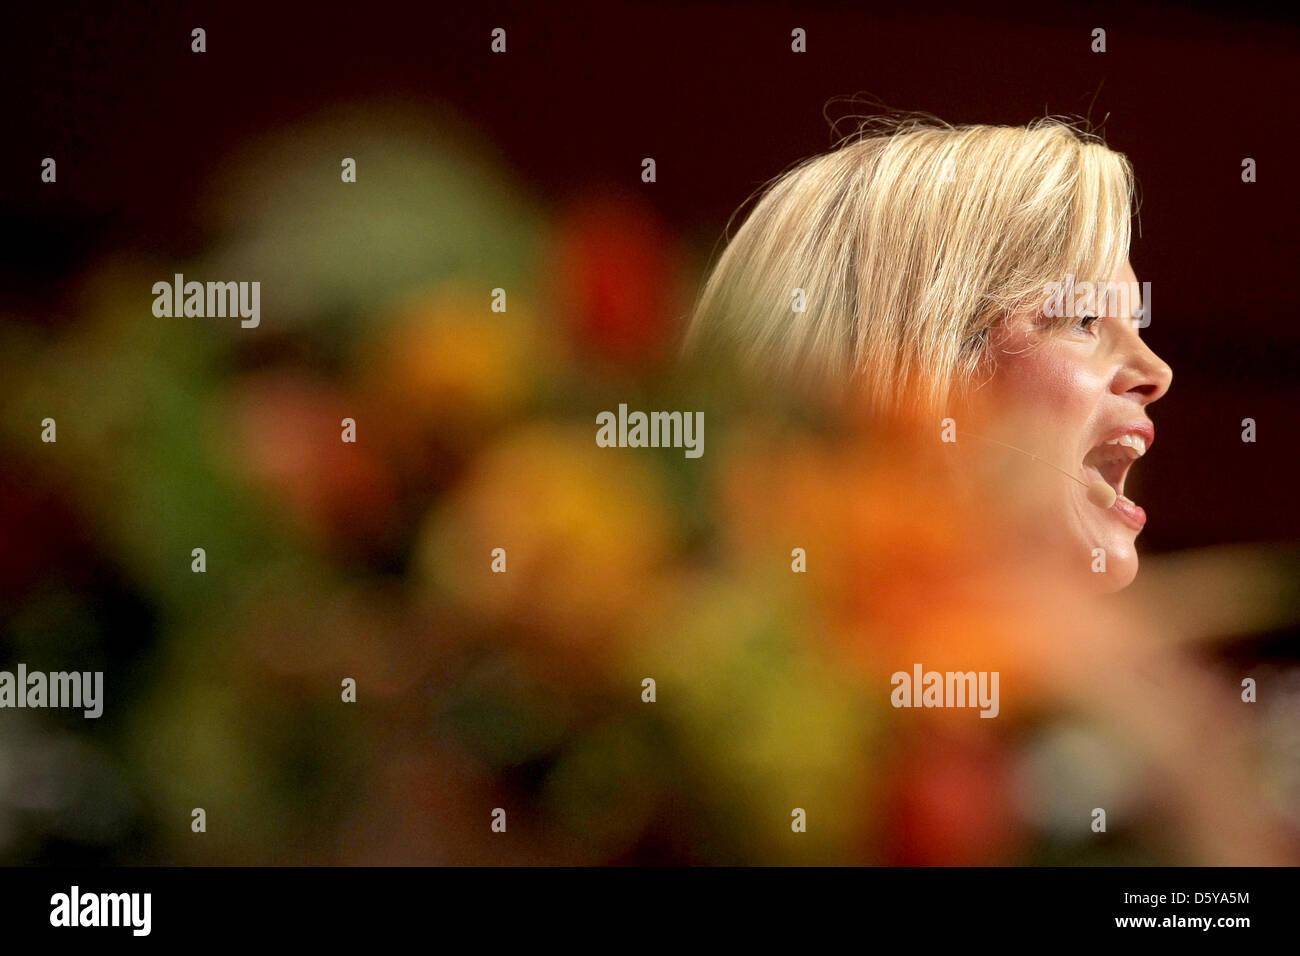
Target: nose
column 1144, row 374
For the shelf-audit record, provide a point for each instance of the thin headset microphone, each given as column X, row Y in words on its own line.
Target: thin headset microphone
column 1099, row 493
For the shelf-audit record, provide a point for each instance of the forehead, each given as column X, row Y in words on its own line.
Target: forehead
column 1123, row 297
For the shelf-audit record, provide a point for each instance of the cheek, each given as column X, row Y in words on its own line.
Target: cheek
column 1049, row 392
column 1053, row 400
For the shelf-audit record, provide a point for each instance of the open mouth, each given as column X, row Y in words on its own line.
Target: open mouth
column 1110, row 461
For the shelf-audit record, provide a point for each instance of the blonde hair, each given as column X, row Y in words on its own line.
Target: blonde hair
column 910, row 241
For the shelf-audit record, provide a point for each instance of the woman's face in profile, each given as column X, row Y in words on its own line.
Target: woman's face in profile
column 1079, row 398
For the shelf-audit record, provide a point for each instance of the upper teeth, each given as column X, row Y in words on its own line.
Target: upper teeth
column 1136, row 442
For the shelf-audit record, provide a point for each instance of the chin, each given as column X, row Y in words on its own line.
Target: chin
column 1116, row 579
column 1121, row 569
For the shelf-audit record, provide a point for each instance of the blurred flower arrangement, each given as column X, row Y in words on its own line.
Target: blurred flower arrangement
column 520, row 690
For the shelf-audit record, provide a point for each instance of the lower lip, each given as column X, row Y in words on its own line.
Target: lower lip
column 1133, row 515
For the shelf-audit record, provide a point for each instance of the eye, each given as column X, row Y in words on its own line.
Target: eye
column 1087, row 324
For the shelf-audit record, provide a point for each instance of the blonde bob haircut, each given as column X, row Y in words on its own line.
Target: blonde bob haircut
column 907, row 243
